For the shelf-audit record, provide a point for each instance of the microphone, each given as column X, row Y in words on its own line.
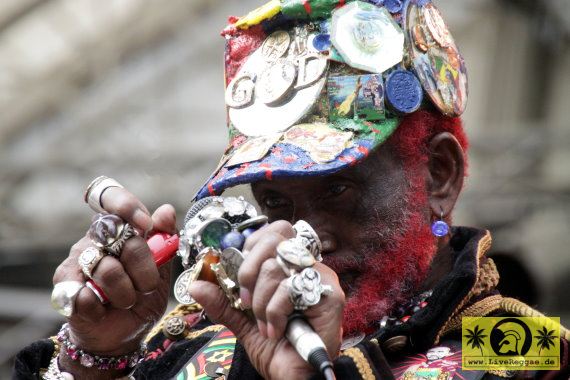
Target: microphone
column 309, row 345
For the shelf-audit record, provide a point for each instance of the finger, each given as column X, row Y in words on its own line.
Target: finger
column 329, row 277
column 249, row 270
column 121, row 202
column 111, row 277
column 88, row 307
column 270, row 275
column 329, row 311
column 69, row 269
column 164, row 219
column 280, row 227
column 138, row 263
column 218, row 309
column 278, row 310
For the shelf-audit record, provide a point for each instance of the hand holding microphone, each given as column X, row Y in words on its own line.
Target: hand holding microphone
column 263, row 288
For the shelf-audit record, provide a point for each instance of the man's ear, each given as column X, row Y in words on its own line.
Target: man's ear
column 446, row 173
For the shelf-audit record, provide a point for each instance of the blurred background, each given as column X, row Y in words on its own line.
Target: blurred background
column 133, row 89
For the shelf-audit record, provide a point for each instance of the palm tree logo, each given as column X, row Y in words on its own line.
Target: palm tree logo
column 545, row 339
column 475, row 338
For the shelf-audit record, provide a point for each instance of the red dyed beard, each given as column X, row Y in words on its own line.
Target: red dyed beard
column 390, row 270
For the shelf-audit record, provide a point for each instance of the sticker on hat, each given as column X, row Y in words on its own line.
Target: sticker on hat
column 320, row 141
column 358, row 97
column 253, row 149
column 367, row 37
column 436, row 59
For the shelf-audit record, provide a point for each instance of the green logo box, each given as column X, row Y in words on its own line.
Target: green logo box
column 510, row 343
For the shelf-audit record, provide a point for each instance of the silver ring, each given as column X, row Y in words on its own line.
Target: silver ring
column 95, row 189
column 89, row 259
column 305, row 289
column 63, row 296
column 109, row 232
column 310, row 238
column 288, row 271
column 295, row 255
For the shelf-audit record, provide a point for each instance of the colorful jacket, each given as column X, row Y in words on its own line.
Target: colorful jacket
column 395, row 351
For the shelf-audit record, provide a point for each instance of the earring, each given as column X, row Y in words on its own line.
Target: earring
column 439, row 228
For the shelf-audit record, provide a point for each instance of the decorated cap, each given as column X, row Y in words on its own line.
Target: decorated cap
column 312, row 86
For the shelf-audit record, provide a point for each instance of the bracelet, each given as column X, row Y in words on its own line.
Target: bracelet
column 99, row 362
column 54, row 373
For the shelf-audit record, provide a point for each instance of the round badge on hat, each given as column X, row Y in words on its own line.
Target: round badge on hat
column 404, row 91
column 435, row 58
column 367, row 37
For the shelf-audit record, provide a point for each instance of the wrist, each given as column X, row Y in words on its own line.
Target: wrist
column 79, row 372
column 86, row 365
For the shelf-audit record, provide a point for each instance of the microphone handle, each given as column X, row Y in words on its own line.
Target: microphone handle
column 309, row 345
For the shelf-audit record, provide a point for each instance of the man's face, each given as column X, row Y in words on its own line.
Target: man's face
column 373, row 224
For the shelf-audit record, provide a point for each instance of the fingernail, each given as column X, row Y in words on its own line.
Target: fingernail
column 142, row 220
column 271, row 334
column 262, row 328
column 245, row 296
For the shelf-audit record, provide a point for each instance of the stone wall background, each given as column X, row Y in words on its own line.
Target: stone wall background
column 133, row 89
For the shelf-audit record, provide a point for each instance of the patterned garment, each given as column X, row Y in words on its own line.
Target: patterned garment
column 213, row 360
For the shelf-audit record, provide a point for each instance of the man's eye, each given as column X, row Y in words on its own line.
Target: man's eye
column 337, row 189
column 274, row 202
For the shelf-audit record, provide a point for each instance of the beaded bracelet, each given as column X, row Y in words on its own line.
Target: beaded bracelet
column 99, row 362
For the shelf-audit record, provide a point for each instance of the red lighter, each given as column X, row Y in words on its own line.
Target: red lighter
column 163, row 247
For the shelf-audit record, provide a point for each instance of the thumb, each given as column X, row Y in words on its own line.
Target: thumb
column 164, row 219
column 217, row 306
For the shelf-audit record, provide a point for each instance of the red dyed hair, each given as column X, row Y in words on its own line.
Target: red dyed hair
column 411, row 139
column 393, row 275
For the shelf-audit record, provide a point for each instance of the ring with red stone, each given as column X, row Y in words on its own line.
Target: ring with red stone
column 99, row 293
column 89, row 259
column 96, row 189
column 109, row 232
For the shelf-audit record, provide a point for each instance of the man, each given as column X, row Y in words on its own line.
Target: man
column 378, row 188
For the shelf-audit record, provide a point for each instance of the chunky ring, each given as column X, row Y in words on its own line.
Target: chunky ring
column 295, row 255
column 99, row 293
column 310, row 238
column 63, row 296
column 286, row 269
column 305, row 289
column 95, row 189
column 109, row 232
column 89, row 259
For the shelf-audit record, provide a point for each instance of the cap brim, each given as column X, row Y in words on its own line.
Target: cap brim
column 285, row 160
